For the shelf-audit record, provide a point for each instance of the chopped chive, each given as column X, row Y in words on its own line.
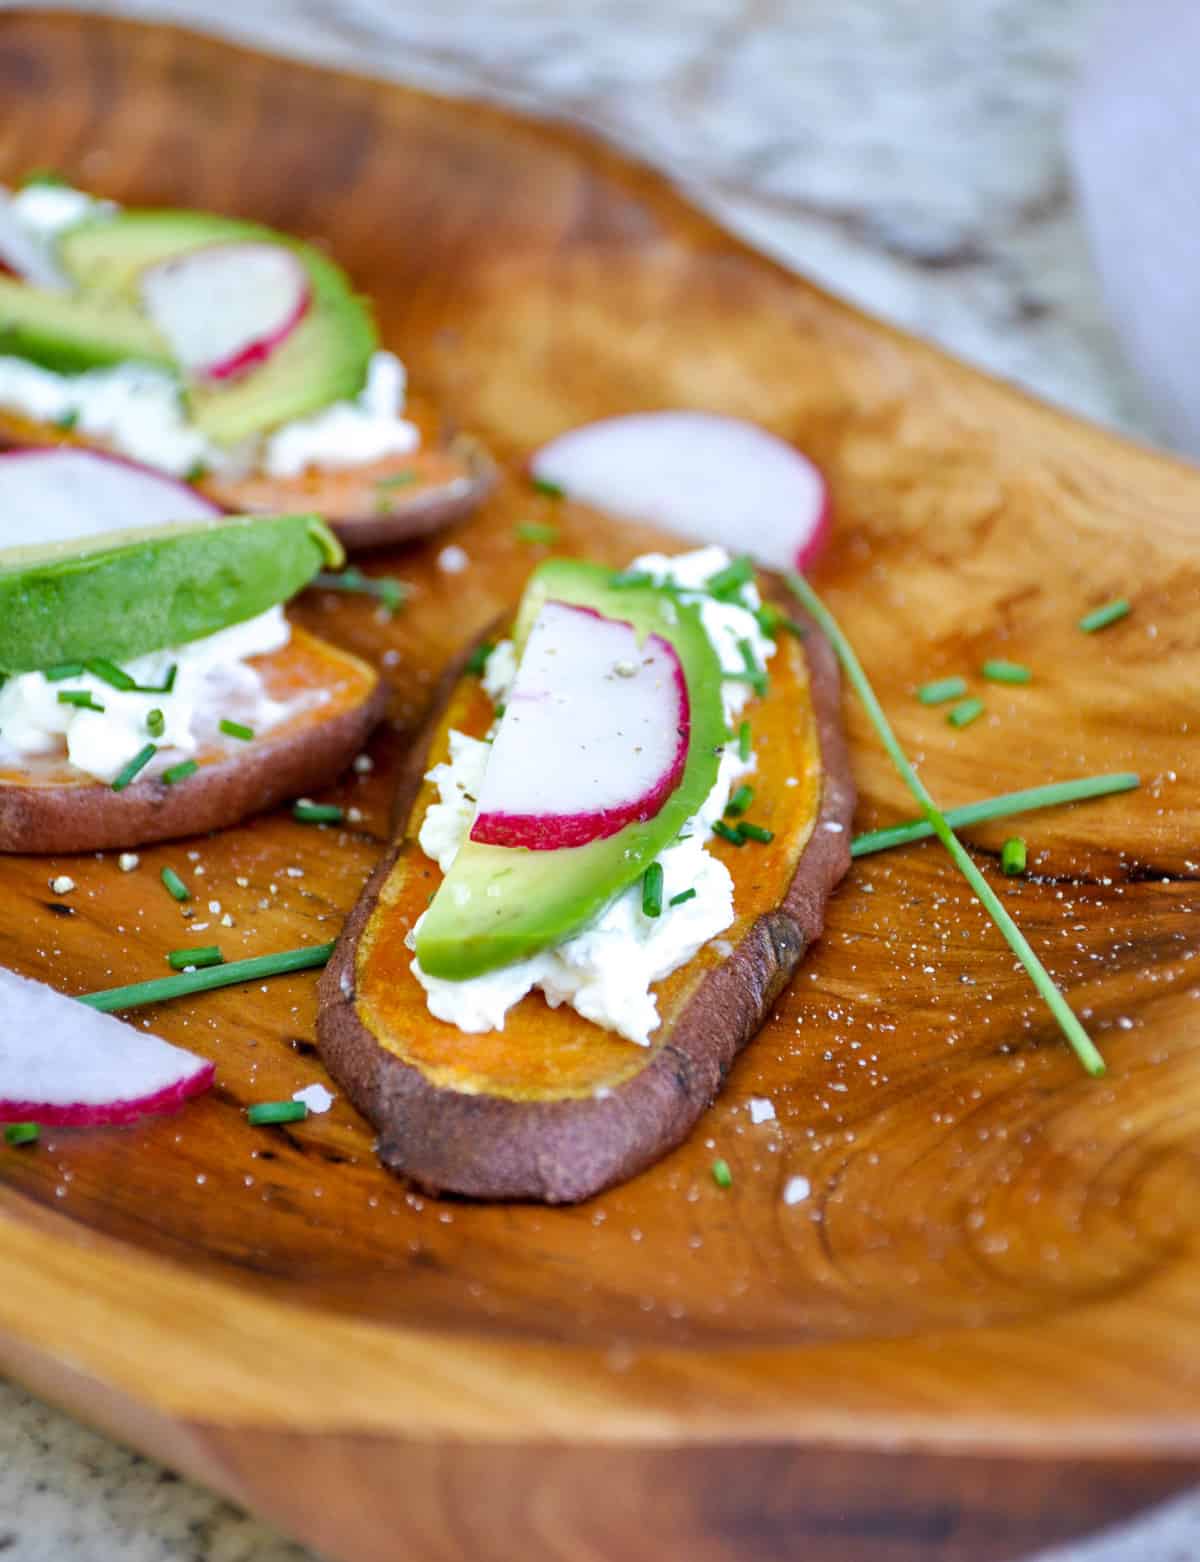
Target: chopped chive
column 536, row 532
column 135, row 766
column 941, row 690
column 477, row 660
column 80, row 698
column 755, row 673
column 1101, row 617
column 721, row 1174
column 108, row 672
column 21, row 1133
column 201, row 958
column 756, row 832
column 683, row 895
column 733, row 836
column 63, row 670
column 180, row 772
column 256, row 969
column 552, row 490
column 236, row 729
column 771, row 620
column 66, row 421
column 499, row 711
column 386, row 487
column 652, row 890
column 743, row 742
column 965, row 712
column 996, row 670
column 625, row 579
column 165, row 687
column 740, row 801
column 1052, row 795
column 196, row 473
column 174, row 885
column 386, row 590
column 266, row 1113
column 1085, row 1048
column 156, row 722
column 1013, row 856
column 737, row 573
column 318, row 813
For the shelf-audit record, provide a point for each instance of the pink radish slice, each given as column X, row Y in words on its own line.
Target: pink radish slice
column 63, row 1063
column 22, row 254
column 225, row 308
column 704, row 476
column 59, row 494
column 594, row 734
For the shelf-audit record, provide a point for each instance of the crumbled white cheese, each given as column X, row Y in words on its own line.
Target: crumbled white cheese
column 47, row 209
column 499, row 671
column 213, row 680
column 348, row 433
column 796, row 1190
column 315, row 1097
column 762, row 1109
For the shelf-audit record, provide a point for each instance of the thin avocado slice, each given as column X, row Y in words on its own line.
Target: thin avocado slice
column 69, row 332
column 122, row 594
column 324, row 360
column 499, row 904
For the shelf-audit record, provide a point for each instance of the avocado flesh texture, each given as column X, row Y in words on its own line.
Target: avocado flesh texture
column 500, row 904
column 125, row 593
column 325, row 359
column 70, row 333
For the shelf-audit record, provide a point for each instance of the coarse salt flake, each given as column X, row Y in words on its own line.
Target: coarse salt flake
column 762, row 1110
column 796, row 1190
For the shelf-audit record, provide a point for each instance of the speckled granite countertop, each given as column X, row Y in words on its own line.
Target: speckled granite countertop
column 903, row 152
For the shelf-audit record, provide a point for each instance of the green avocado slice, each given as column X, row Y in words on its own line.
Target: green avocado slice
column 69, row 332
column 125, row 593
column 499, row 904
column 324, row 360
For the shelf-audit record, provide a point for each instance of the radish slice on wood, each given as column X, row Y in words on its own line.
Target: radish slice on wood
column 225, row 308
column 594, row 734
column 716, row 479
column 22, row 254
column 58, row 494
column 63, row 1063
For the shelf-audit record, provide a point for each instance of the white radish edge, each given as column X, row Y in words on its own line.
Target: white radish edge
column 702, row 475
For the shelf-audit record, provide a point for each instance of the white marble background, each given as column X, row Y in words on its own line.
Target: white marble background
column 906, row 153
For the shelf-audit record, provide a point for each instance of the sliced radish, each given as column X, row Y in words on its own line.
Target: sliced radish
column 704, row 476
column 225, row 308
column 22, row 254
column 63, row 1063
column 58, row 494
column 594, row 734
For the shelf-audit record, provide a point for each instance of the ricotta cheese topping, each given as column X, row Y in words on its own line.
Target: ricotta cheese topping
column 213, row 680
column 606, row 971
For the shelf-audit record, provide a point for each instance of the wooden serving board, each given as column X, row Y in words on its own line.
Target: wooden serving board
column 981, row 1330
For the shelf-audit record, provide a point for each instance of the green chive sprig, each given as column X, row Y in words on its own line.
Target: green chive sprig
column 318, row 813
column 63, row 671
column 80, row 698
column 1101, row 617
column 965, row 712
column 682, row 898
column 551, row 490
column 721, row 1174
column 742, row 797
column 134, row 768
column 174, row 885
column 729, row 581
column 180, row 772
column 162, row 988
column 536, row 533
column 203, row 957
column 1013, row 857
column 156, row 722
column 477, row 660
column 941, row 690
column 236, row 729
column 755, row 832
column 109, row 673
column 268, row 1113
column 996, row 670
column 167, row 686
column 652, row 890
column 390, row 593
column 21, row 1133
column 743, row 742
column 728, row 833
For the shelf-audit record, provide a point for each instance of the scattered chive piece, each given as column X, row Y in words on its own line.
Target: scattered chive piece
column 683, row 895
column 771, row 621
column 236, row 729
column 626, row 578
column 255, row 969
column 965, row 712
column 941, row 690
column 135, row 766
column 196, row 473
column 756, row 832
column 63, row 670
column 755, row 674
column 388, row 591
column 721, row 1174
column 1101, row 617
column 268, row 1112
column 156, row 723
column 743, row 741
column 998, row 671
column 536, row 532
column 206, row 955
column 21, row 1133
column 80, row 698
column 318, row 813
column 67, row 420
column 1085, row 1048
column 386, row 486
column 108, row 672
column 165, row 687
column 1052, row 795
column 737, row 573
column 180, row 772
column 477, row 660
column 543, row 485
column 740, row 801
column 499, row 711
column 1013, row 856
column 174, row 885
column 652, row 890
column 733, row 836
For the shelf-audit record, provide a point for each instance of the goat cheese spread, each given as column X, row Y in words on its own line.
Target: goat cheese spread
column 213, row 681
column 606, row 971
column 139, row 410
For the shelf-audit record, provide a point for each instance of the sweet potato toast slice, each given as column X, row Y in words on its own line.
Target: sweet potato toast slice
column 48, row 806
column 553, row 1107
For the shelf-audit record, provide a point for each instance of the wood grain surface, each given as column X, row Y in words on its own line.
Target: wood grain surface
column 981, row 1329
